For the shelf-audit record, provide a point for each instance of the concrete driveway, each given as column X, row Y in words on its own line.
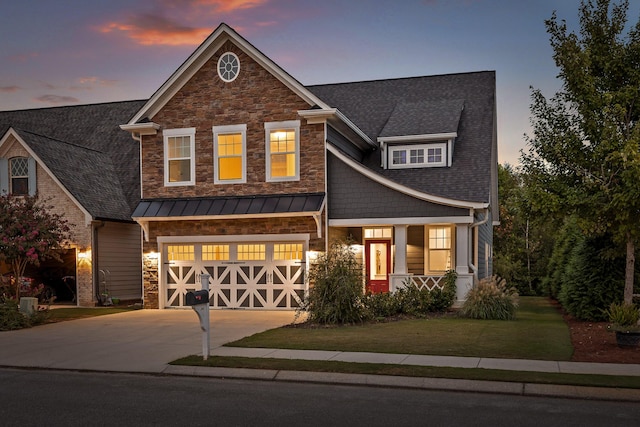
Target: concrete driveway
column 136, row 341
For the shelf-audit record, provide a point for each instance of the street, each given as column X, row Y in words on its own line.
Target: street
column 57, row 398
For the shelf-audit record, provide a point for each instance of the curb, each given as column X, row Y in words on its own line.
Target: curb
column 423, row 383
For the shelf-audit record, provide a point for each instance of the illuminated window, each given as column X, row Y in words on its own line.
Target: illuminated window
column 19, row 176
column 215, row 252
column 377, row 233
column 179, row 156
column 251, row 252
column 417, row 155
column 180, row 252
column 229, row 154
column 282, row 150
column 287, row 251
column 440, row 245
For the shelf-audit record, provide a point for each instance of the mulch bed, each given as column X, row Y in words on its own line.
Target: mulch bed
column 592, row 342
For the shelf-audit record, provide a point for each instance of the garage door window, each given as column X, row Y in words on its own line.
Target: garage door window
column 180, row 253
column 215, row 252
column 251, row 252
column 287, row 251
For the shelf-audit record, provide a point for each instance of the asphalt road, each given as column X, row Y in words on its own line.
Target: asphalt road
column 66, row 398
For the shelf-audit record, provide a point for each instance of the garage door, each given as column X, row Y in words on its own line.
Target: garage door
column 260, row 275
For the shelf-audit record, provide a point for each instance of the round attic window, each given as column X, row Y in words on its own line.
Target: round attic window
column 228, row 66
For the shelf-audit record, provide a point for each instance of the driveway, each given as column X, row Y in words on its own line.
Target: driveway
column 136, row 341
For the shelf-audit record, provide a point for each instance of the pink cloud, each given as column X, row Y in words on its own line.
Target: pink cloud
column 9, row 89
column 215, row 5
column 151, row 29
column 57, row 99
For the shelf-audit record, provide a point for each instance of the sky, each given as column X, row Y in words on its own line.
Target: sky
column 69, row 52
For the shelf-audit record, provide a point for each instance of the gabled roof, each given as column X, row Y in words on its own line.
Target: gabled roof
column 424, row 118
column 376, row 107
column 84, row 148
column 201, row 55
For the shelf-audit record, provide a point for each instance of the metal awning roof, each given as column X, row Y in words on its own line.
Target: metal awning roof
column 250, row 206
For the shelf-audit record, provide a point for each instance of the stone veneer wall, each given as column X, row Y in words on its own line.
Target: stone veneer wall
column 254, row 98
column 289, row 225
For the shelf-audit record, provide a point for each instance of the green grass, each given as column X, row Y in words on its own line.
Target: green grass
column 413, row 371
column 62, row 314
column 538, row 332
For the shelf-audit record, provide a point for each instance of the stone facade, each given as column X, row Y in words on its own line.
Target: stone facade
column 254, row 98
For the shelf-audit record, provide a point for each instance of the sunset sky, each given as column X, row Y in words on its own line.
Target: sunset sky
column 87, row 51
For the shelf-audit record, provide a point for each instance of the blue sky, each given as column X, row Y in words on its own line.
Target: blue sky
column 78, row 51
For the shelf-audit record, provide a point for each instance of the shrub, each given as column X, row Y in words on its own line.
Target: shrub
column 384, row 304
column 10, row 316
column 412, row 301
column 623, row 317
column 491, row 300
column 443, row 299
column 593, row 279
column 336, row 292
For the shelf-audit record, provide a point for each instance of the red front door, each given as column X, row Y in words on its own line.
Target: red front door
column 378, row 265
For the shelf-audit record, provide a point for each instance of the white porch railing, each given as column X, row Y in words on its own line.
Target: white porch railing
column 429, row 283
column 464, row 283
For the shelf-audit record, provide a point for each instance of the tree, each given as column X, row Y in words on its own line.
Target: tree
column 584, row 156
column 524, row 239
column 29, row 233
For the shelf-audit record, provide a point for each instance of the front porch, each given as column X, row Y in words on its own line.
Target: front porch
column 393, row 255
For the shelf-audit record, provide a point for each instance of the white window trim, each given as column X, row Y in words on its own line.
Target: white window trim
column 228, row 129
column 191, row 133
column 407, row 148
column 286, row 125
column 452, row 249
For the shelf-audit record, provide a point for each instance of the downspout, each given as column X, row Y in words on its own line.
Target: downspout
column 94, row 261
column 472, row 266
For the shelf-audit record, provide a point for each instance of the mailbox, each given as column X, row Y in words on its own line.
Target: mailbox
column 197, row 297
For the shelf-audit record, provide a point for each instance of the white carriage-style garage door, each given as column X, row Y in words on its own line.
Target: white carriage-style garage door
column 253, row 274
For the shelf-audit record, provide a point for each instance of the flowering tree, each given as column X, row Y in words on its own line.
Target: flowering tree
column 29, row 233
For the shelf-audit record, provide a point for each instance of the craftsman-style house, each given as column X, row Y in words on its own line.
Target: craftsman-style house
column 235, row 169
column 247, row 174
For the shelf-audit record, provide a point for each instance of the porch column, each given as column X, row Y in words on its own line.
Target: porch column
column 462, row 248
column 401, row 249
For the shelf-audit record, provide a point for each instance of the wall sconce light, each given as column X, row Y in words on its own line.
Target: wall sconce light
column 84, row 256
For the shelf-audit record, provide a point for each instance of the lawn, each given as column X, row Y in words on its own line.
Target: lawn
column 539, row 332
column 71, row 313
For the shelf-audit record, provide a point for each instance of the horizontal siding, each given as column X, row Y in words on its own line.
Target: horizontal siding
column 120, row 253
column 415, row 250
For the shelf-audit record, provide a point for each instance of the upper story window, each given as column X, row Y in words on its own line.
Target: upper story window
column 283, row 150
column 228, row 66
column 229, row 154
column 179, row 156
column 19, row 176
column 417, row 155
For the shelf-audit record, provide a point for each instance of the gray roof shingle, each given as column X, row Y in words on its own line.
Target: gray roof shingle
column 376, row 106
column 87, row 151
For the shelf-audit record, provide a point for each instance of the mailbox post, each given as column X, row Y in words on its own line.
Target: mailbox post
column 199, row 301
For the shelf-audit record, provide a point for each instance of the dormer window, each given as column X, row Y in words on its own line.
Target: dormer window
column 417, row 156
column 433, row 154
